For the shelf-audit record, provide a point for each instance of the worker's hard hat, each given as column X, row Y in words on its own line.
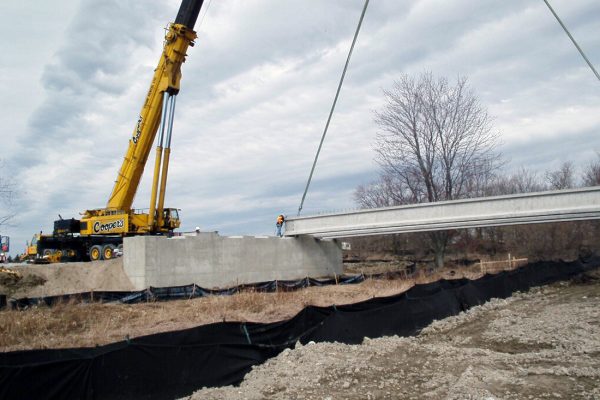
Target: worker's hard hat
column 197, row 228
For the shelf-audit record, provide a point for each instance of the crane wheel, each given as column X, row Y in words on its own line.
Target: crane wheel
column 95, row 253
column 47, row 252
column 108, row 251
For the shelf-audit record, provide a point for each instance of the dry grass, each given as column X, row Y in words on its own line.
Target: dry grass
column 74, row 324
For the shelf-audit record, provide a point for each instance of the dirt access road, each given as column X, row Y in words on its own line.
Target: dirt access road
column 544, row 344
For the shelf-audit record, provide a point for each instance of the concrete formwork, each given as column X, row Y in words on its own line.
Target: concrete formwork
column 210, row 260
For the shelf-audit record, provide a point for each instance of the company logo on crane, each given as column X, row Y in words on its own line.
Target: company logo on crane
column 138, row 130
column 109, row 226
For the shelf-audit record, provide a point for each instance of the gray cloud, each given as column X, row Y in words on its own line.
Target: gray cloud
column 95, row 61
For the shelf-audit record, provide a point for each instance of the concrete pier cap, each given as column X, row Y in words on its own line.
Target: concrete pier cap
column 213, row 261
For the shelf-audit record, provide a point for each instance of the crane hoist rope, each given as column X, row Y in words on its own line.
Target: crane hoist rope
column 337, row 94
column 589, row 63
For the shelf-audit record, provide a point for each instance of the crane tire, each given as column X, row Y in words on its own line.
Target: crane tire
column 108, row 252
column 95, row 253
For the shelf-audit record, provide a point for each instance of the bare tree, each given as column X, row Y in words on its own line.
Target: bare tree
column 591, row 174
column 435, row 143
column 563, row 177
column 6, row 197
column 385, row 192
column 523, row 180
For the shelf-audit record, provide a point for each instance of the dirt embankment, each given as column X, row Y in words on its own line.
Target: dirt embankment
column 65, row 278
column 69, row 278
column 72, row 324
column 544, row 344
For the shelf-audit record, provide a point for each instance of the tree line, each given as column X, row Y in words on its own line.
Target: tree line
column 437, row 142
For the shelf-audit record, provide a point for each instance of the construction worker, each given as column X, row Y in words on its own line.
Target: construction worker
column 197, row 231
column 279, row 224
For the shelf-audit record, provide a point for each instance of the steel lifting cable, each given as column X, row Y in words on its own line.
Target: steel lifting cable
column 337, row 94
column 204, row 15
column 573, row 40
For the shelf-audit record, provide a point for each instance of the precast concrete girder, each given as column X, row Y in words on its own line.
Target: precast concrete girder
column 528, row 208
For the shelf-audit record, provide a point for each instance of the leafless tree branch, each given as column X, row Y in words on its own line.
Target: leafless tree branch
column 562, row 178
column 7, row 192
column 591, row 174
column 435, row 143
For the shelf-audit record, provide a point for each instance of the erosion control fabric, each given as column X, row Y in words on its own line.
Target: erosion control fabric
column 174, row 364
column 180, row 292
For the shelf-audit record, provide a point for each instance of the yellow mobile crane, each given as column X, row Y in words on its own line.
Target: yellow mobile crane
column 96, row 235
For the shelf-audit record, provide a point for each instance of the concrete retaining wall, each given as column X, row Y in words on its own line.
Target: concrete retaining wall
column 210, row 260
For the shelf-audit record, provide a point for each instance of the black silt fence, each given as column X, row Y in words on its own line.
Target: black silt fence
column 178, row 292
column 174, row 364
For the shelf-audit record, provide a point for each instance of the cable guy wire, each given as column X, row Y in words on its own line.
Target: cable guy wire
column 333, row 105
column 573, row 40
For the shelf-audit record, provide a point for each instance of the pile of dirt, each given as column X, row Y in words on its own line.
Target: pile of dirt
column 9, row 278
column 11, row 281
column 541, row 344
column 66, row 278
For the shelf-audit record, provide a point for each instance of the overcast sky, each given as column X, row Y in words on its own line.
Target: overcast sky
column 256, row 91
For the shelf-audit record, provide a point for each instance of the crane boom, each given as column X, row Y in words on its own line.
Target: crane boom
column 167, row 77
column 188, row 13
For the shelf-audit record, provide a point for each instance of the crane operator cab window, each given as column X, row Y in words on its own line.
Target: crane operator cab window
column 171, row 216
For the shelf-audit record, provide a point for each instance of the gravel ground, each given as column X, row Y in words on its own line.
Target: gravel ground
column 544, row 344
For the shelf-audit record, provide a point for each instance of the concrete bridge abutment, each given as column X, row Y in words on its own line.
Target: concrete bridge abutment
column 214, row 261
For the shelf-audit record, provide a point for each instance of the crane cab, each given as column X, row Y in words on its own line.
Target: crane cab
column 170, row 219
